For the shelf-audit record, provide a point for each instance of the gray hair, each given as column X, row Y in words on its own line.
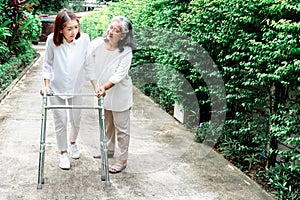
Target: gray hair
column 126, row 29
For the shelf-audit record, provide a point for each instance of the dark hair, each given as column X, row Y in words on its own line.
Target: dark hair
column 62, row 17
column 126, row 29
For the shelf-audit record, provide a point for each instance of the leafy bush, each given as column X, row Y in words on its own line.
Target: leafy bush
column 18, row 28
column 96, row 23
column 50, row 6
column 285, row 181
column 4, row 50
column 257, row 51
column 9, row 71
column 23, row 26
column 32, row 27
column 254, row 46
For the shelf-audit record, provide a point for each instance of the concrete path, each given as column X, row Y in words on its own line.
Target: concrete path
column 164, row 162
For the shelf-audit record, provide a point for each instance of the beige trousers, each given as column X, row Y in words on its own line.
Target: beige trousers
column 118, row 127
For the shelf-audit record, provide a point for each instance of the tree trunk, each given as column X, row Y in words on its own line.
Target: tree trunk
column 273, row 142
column 272, row 157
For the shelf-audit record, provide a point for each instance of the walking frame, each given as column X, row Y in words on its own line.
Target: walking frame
column 103, row 141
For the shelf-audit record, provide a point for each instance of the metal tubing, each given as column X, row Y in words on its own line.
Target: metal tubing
column 103, row 142
column 71, row 94
column 103, row 145
column 71, row 107
column 42, row 143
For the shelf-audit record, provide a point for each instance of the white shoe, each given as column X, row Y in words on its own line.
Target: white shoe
column 75, row 153
column 64, row 162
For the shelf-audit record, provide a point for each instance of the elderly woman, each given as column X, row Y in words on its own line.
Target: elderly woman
column 111, row 56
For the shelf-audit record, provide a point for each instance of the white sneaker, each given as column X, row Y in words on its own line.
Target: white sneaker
column 74, row 151
column 64, row 162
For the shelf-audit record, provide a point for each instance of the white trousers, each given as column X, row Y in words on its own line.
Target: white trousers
column 61, row 120
column 117, row 126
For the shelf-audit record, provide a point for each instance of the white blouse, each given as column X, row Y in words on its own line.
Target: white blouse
column 64, row 65
column 112, row 66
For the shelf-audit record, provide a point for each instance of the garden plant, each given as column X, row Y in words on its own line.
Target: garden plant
column 255, row 46
column 18, row 29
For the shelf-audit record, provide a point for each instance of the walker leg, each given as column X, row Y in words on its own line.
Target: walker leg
column 42, row 144
column 103, row 145
column 107, row 180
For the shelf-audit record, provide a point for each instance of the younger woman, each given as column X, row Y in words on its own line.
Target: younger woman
column 63, row 72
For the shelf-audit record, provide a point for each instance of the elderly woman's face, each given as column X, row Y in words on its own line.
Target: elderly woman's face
column 114, row 32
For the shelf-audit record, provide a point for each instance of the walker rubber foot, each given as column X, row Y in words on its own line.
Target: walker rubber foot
column 107, row 184
column 103, row 178
column 39, row 186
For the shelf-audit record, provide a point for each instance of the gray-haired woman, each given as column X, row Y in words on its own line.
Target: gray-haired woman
column 111, row 57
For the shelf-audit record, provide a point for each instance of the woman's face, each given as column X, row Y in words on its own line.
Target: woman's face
column 114, row 32
column 70, row 30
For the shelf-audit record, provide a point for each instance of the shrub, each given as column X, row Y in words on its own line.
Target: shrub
column 96, row 23
column 9, row 71
column 254, row 46
column 4, row 50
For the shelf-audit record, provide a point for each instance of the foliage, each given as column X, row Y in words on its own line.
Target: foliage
column 284, row 181
column 4, row 50
column 18, row 28
column 24, row 27
column 31, row 29
column 244, row 144
column 10, row 70
column 4, row 33
column 96, row 23
column 254, row 45
column 201, row 132
column 257, row 51
column 50, row 6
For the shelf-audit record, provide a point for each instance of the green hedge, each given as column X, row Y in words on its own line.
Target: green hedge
column 253, row 47
column 19, row 27
column 11, row 70
column 256, row 46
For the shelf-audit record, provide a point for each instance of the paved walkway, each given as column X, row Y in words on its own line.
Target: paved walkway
column 164, row 162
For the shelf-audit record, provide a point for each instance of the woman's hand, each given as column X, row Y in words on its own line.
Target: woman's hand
column 101, row 91
column 47, row 89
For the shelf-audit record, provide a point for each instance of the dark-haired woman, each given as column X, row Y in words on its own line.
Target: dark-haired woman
column 111, row 56
column 63, row 72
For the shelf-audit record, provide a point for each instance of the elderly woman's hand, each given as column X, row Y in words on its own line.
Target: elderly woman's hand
column 101, row 91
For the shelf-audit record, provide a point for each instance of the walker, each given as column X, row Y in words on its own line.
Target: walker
column 103, row 142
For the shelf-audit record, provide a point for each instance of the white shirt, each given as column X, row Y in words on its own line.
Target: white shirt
column 113, row 66
column 64, row 65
